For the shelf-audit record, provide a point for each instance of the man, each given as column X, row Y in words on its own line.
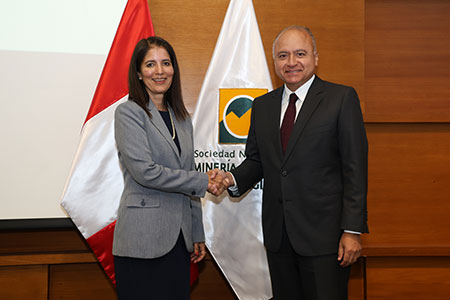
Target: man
column 311, row 150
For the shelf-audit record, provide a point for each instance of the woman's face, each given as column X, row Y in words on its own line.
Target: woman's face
column 156, row 71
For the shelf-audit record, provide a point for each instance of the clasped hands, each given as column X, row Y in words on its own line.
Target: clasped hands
column 218, row 181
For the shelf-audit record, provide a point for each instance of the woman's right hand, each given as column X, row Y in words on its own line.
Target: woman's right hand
column 218, row 181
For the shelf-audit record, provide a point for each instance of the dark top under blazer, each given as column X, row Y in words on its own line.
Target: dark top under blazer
column 319, row 186
column 157, row 200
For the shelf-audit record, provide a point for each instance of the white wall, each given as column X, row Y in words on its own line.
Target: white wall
column 51, row 55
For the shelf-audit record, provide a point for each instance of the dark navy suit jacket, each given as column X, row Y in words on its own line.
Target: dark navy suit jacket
column 318, row 188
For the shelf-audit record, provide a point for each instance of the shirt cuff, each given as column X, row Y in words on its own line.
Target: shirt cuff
column 233, row 189
column 352, row 232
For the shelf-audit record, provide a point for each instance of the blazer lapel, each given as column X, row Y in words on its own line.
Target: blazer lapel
column 158, row 122
column 184, row 138
column 311, row 101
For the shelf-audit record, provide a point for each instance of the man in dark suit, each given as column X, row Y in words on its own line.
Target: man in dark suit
column 308, row 142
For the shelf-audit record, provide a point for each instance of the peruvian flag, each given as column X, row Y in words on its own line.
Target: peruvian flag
column 92, row 192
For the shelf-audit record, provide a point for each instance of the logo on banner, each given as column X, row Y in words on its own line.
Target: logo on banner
column 235, row 106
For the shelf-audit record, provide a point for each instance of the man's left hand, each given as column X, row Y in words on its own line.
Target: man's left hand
column 349, row 249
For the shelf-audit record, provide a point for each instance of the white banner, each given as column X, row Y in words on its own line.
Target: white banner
column 237, row 74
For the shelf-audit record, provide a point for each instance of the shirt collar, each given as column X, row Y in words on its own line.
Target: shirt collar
column 300, row 92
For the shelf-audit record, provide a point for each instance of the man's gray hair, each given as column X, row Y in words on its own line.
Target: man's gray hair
column 299, row 28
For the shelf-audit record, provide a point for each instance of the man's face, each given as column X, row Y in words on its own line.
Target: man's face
column 294, row 58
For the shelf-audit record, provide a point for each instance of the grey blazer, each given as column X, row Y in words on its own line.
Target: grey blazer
column 160, row 196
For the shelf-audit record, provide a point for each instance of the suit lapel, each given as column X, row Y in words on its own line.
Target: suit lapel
column 274, row 118
column 276, row 109
column 159, row 124
column 311, row 101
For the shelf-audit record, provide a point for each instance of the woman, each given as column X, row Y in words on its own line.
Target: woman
column 159, row 221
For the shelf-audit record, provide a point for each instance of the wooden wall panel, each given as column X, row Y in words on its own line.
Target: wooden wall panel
column 194, row 27
column 409, row 176
column 338, row 27
column 38, row 241
column 396, row 53
column 407, row 52
column 24, row 282
column 418, row 278
column 356, row 284
column 79, row 281
column 76, row 275
column 211, row 283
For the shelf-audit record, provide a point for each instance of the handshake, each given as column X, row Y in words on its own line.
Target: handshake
column 218, row 181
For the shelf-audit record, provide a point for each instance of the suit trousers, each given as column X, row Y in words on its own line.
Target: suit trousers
column 165, row 277
column 297, row 277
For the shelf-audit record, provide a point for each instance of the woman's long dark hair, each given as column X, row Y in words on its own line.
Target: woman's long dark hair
column 136, row 87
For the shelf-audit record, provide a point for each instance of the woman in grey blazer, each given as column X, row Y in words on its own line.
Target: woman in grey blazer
column 159, row 220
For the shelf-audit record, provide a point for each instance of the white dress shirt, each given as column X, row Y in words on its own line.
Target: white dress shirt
column 301, row 94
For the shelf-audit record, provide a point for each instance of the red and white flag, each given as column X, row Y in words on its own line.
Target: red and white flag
column 92, row 192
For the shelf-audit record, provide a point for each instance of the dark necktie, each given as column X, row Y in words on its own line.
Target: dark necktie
column 288, row 122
